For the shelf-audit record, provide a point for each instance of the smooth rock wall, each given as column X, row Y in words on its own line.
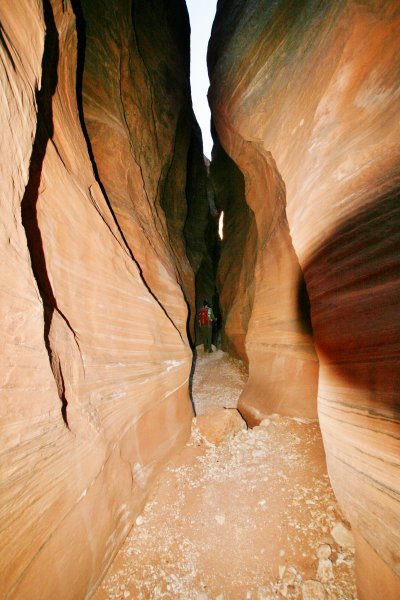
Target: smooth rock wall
column 315, row 88
column 262, row 290
column 283, row 366
column 96, row 361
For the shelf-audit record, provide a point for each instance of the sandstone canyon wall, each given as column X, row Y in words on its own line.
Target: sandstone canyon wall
column 305, row 99
column 138, row 115
column 96, row 125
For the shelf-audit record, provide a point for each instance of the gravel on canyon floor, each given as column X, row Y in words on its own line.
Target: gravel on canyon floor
column 252, row 518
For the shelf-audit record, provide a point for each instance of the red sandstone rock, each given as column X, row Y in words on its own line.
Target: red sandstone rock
column 137, row 110
column 95, row 373
column 282, row 362
column 315, row 89
column 257, row 250
column 220, row 425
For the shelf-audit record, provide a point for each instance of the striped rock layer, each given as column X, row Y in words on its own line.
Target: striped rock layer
column 96, row 288
column 305, row 100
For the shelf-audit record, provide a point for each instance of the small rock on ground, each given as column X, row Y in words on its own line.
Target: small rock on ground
column 220, row 425
column 343, row 536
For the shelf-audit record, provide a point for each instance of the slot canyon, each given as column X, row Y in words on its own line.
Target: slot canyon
column 109, row 237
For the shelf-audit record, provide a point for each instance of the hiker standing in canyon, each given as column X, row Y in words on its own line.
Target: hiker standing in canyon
column 206, row 318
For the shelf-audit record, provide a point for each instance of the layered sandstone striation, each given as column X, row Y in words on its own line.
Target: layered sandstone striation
column 262, row 291
column 138, row 115
column 305, row 99
column 261, row 288
column 95, row 284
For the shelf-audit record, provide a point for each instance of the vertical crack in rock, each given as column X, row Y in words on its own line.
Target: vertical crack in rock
column 81, row 49
column 29, row 216
column 5, row 44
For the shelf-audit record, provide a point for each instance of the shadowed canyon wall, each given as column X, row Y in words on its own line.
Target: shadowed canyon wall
column 305, row 99
column 96, row 287
column 201, row 225
column 236, row 268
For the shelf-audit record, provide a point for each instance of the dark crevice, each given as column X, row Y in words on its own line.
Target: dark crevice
column 29, row 216
column 303, row 306
column 191, row 377
column 6, row 42
column 228, row 189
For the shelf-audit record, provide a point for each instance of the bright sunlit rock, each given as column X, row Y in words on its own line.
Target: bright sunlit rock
column 221, row 225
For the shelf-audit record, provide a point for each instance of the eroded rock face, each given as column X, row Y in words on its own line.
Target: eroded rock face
column 137, row 110
column 282, row 360
column 94, row 281
column 314, row 90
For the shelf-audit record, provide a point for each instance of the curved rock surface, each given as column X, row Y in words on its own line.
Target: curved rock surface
column 260, row 278
column 137, row 110
column 314, row 89
column 94, row 281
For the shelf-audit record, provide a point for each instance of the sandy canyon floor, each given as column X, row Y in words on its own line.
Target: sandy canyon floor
column 253, row 518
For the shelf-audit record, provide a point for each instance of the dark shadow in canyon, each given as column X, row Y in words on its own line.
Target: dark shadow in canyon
column 29, row 203
column 303, row 306
column 354, row 284
column 239, row 227
column 191, row 376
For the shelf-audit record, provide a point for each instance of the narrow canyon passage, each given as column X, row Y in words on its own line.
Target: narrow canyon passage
column 109, row 242
column 238, row 514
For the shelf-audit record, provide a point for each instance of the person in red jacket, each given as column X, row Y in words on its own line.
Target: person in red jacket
column 206, row 318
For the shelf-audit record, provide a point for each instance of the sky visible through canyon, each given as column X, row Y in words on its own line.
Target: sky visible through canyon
column 201, row 13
